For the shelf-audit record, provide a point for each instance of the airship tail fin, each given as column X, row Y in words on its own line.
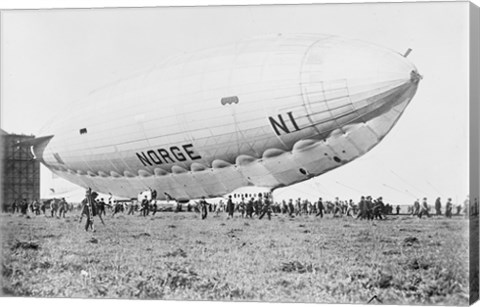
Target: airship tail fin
column 37, row 144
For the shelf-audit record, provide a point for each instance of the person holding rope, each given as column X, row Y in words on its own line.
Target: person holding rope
column 89, row 209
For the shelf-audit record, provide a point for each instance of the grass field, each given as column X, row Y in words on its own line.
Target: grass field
column 403, row 260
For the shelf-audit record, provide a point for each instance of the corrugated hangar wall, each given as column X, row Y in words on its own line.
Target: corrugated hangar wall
column 20, row 171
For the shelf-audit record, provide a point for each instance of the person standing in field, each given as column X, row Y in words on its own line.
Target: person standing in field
column 62, row 207
column 466, row 206
column 154, row 207
column 361, row 208
column 241, row 207
column 218, row 208
column 448, row 208
column 475, row 207
column 298, row 206
column 320, row 207
column 459, row 209
column 305, row 207
column 153, row 193
column 132, row 208
column 14, row 206
column 398, row 209
column 284, row 207
column 266, row 208
column 378, row 209
column 144, row 205
column 101, row 207
column 424, row 210
column 350, row 208
column 30, row 206
column 230, row 207
column 53, row 207
column 24, row 207
column 43, row 207
column 257, row 206
column 291, row 207
column 337, row 208
column 438, row 206
column 89, row 209
column 117, row 207
column 153, row 201
column 416, row 208
column 250, row 205
column 204, row 208
column 36, row 207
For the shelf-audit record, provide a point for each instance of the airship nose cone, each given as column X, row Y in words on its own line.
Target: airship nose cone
column 415, row 77
column 355, row 61
column 348, row 75
column 346, row 82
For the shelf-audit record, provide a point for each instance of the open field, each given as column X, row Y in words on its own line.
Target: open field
column 402, row 260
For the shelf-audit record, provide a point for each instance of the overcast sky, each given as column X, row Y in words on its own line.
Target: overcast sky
column 51, row 58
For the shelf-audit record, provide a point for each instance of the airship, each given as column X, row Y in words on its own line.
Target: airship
column 264, row 112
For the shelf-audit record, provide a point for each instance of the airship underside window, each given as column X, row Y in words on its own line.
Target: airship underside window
column 229, row 100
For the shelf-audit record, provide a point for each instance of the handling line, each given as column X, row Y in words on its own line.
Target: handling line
column 408, row 193
column 404, row 181
column 350, row 187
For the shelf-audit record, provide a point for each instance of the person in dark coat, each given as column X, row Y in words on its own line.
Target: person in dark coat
column 242, row 207
column 90, row 210
column 36, row 207
column 154, row 207
column 24, row 207
column 43, row 207
column 62, row 207
column 448, row 208
column 250, row 205
column 53, row 207
column 230, row 207
column 266, row 209
column 369, row 204
column 117, row 208
column 145, row 206
column 320, row 208
column 361, row 208
column 284, row 207
column 438, row 206
column 204, row 208
column 459, row 209
column 378, row 209
column 291, row 207
column 101, row 207
column 416, row 208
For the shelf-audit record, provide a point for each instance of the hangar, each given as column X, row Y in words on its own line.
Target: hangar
column 20, row 172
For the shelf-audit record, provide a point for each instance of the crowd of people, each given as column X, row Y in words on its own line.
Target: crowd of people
column 242, row 205
column 56, row 207
column 367, row 208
